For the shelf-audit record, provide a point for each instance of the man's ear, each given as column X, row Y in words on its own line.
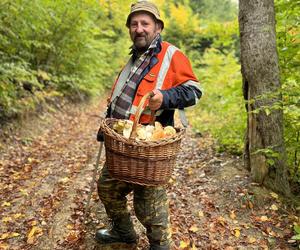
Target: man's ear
column 159, row 27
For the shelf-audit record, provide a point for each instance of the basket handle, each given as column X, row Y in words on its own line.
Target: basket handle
column 138, row 114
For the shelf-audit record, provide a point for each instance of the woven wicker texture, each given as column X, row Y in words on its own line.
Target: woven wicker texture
column 140, row 162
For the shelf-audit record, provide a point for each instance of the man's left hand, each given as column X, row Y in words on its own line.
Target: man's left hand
column 156, row 100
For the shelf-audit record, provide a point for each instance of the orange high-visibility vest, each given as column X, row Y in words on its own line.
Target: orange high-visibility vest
column 173, row 68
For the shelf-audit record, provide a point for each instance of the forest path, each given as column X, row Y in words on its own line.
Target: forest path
column 47, row 166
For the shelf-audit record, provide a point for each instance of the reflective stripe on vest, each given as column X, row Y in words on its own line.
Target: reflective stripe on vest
column 196, row 85
column 165, row 66
column 161, row 76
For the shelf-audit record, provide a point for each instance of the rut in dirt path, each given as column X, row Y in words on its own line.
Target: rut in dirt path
column 40, row 176
column 45, row 178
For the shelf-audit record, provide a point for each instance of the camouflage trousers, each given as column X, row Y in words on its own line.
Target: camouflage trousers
column 150, row 205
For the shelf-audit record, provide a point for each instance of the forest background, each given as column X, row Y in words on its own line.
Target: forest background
column 52, row 51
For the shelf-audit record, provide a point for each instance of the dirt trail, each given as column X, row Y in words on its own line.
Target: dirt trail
column 45, row 174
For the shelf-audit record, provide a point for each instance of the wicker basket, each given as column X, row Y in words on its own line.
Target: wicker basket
column 140, row 162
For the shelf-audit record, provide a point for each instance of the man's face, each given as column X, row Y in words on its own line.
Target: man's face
column 143, row 29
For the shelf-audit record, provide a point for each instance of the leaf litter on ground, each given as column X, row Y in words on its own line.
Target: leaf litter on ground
column 45, row 183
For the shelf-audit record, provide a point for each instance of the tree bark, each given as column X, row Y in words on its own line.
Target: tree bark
column 264, row 153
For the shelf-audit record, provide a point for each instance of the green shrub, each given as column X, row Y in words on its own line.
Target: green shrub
column 77, row 44
column 221, row 110
column 287, row 25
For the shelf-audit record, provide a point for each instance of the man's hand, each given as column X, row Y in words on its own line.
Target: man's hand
column 156, row 100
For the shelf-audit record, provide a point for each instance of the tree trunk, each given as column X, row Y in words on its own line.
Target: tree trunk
column 264, row 152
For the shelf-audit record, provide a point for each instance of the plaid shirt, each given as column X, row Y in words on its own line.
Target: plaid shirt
column 120, row 107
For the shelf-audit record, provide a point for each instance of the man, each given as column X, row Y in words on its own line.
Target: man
column 159, row 67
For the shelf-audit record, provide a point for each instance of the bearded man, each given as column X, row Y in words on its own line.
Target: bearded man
column 160, row 67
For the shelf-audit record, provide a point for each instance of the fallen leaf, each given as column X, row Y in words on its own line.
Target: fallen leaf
column 200, row 214
column 250, row 205
column 247, row 226
column 64, row 180
column 30, row 160
column 184, row 244
column 212, row 228
column 270, row 232
column 18, row 215
column 274, row 195
column 194, row 229
column 297, row 228
column 6, row 204
column 237, row 233
column 9, row 235
column 6, row 219
column 296, row 237
column 202, row 175
column 33, row 234
column 171, row 181
column 193, row 247
column 24, row 192
column 232, row 215
column 32, row 223
column 174, row 230
column 221, row 220
column 27, row 168
column 274, row 207
column 190, row 171
column 264, row 218
column 4, row 246
column 251, row 240
column 72, row 237
column 70, row 226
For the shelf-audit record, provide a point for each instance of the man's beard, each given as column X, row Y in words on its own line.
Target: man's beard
column 141, row 43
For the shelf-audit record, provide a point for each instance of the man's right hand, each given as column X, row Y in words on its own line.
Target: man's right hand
column 156, row 100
